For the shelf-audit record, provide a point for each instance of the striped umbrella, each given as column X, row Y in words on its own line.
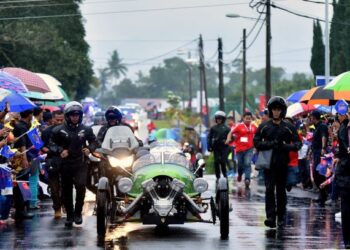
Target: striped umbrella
column 319, row 95
column 30, row 79
column 299, row 108
column 341, row 86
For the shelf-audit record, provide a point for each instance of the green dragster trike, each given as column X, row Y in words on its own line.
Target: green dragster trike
column 162, row 190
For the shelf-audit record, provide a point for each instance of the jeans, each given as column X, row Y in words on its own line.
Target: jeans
column 5, row 206
column 244, row 159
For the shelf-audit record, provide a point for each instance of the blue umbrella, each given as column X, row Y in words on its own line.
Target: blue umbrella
column 18, row 103
column 296, row 96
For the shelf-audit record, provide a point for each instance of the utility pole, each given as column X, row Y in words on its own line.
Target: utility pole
column 327, row 61
column 244, row 74
column 189, row 83
column 268, row 52
column 203, row 80
column 221, row 77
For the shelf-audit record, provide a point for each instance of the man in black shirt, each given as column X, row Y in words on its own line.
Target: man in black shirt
column 22, row 144
column 72, row 137
column 281, row 137
column 342, row 174
column 53, row 162
column 319, row 146
column 217, row 143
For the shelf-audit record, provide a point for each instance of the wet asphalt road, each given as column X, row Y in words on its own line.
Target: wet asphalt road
column 308, row 227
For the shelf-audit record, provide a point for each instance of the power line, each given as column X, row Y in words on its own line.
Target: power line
column 257, row 34
column 164, row 54
column 23, row 1
column 249, row 33
column 61, row 4
column 120, row 12
column 145, row 40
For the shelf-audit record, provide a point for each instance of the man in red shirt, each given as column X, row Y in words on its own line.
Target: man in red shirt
column 243, row 135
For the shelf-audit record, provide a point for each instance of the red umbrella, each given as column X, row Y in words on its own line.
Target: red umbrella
column 30, row 79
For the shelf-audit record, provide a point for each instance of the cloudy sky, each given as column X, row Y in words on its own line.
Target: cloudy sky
column 143, row 29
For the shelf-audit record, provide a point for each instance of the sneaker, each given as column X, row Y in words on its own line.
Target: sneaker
column 78, row 219
column 58, row 214
column 271, row 223
column 239, row 178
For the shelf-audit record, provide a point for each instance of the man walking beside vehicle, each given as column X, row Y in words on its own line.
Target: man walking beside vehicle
column 280, row 137
column 72, row 137
column 53, row 162
column 217, row 143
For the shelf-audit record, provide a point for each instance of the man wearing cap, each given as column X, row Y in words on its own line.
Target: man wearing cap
column 342, row 174
column 318, row 146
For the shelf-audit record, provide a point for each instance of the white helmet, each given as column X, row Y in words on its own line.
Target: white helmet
column 220, row 114
column 73, row 107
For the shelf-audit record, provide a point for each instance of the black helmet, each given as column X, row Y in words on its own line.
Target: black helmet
column 73, row 108
column 113, row 113
column 277, row 101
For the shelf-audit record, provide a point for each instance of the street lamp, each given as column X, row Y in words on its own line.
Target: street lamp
column 232, row 15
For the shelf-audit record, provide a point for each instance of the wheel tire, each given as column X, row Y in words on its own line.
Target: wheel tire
column 102, row 213
column 224, row 214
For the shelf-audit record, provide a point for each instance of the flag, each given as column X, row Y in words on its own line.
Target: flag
column 44, row 187
column 25, row 190
column 7, row 152
column 34, row 137
column 5, row 180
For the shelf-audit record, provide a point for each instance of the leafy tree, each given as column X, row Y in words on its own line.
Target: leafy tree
column 338, row 40
column 318, row 53
column 50, row 45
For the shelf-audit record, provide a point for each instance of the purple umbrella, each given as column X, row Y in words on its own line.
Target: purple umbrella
column 12, row 83
column 296, row 96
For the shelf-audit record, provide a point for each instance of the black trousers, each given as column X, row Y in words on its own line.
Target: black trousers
column 220, row 160
column 19, row 202
column 345, row 214
column 73, row 173
column 55, row 187
column 275, row 194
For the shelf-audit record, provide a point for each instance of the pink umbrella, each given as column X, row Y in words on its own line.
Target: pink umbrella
column 30, row 79
column 299, row 108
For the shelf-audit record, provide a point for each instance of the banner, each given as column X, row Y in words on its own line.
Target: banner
column 5, row 180
column 25, row 190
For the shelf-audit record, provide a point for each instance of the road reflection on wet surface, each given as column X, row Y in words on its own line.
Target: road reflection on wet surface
column 308, row 227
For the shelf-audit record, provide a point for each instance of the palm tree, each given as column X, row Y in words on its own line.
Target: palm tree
column 104, row 75
column 116, row 67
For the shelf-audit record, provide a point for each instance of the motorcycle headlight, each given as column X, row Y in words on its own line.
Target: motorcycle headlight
column 124, row 185
column 124, row 163
column 200, row 185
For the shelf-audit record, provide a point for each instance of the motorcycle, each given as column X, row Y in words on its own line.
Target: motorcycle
column 115, row 159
